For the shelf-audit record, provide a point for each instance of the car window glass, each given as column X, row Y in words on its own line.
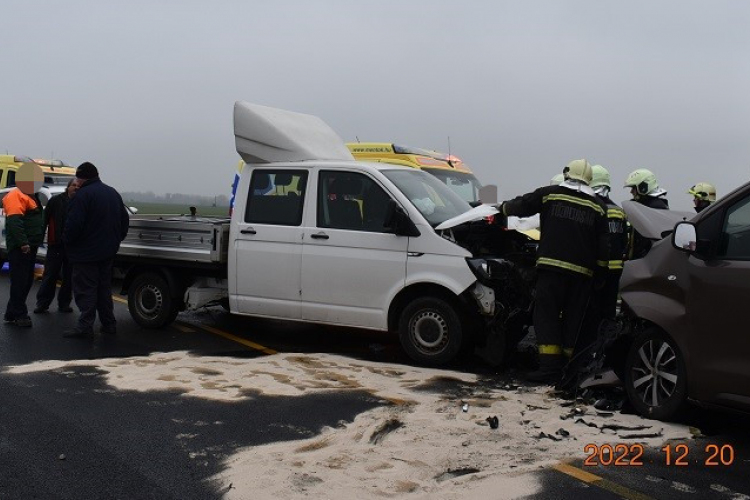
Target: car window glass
column 350, row 200
column 11, row 178
column 276, row 197
column 735, row 236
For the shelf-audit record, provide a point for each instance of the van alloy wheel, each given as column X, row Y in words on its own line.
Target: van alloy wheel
column 656, row 375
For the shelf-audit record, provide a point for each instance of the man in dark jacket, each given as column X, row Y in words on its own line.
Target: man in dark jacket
column 56, row 261
column 96, row 224
column 24, row 234
column 572, row 250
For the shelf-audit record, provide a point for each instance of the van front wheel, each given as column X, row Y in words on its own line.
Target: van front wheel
column 430, row 331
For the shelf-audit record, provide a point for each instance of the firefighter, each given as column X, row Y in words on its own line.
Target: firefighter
column 645, row 189
column 703, row 195
column 572, row 250
column 604, row 302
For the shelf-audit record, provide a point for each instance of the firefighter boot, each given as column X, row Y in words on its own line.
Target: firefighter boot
column 549, row 371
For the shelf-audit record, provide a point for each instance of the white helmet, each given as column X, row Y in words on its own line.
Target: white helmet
column 579, row 170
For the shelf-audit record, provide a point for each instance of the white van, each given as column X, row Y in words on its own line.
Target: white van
column 319, row 237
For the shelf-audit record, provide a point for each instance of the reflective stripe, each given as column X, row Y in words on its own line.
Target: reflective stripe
column 615, row 213
column 550, row 349
column 573, row 199
column 615, row 264
column 564, row 265
column 568, row 352
column 602, row 263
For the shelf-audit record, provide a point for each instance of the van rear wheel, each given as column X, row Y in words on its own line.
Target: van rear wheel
column 430, row 331
column 150, row 301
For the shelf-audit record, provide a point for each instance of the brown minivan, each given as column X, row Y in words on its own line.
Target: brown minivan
column 688, row 304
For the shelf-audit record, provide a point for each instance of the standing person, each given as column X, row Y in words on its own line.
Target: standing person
column 703, row 195
column 56, row 263
column 645, row 190
column 603, row 304
column 573, row 242
column 24, row 233
column 97, row 222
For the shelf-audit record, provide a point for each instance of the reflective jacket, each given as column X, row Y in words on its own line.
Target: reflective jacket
column 618, row 235
column 23, row 220
column 573, row 227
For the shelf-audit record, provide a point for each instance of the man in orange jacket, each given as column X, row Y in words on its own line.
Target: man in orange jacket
column 24, row 227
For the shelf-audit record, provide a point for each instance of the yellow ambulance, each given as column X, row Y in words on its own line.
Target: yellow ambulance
column 448, row 168
column 55, row 171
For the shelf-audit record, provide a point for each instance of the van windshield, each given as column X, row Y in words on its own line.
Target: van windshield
column 434, row 200
column 463, row 184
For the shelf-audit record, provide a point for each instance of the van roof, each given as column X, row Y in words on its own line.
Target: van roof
column 265, row 135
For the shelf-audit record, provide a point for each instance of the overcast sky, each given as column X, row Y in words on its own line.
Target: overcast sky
column 145, row 89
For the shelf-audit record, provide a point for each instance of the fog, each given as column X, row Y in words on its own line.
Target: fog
column 145, row 89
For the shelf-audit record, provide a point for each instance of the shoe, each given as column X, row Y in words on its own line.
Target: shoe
column 75, row 333
column 40, row 310
column 108, row 330
column 23, row 322
column 64, row 309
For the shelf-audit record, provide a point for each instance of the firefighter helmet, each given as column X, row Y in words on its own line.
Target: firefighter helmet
column 557, row 180
column 579, row 170
column 703, row 191
column 643, row 180
column 599, row 177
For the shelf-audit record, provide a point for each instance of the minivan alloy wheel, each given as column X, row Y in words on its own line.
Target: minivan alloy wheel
column 655, row 375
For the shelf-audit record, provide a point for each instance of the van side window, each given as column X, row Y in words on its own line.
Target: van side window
column 276, row 197
column 11, row 178
column 735, row 235
column 349, row 200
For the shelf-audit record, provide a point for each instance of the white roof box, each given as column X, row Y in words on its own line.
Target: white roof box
column 265, row 135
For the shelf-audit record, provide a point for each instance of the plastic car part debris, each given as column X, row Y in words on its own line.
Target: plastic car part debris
column 494, row 422
column 465, row 407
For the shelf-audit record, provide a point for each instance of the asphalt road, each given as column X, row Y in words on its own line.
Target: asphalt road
column 67, row 434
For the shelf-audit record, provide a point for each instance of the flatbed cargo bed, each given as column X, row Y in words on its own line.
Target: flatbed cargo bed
column 178, row 239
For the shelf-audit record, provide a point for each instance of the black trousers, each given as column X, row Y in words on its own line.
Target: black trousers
column 603, row 305
column 92, row 289
column 561, row 299
column 21, row 278
column 56, row 267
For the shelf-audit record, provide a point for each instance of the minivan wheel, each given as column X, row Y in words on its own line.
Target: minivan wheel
column 655, row 375
column 430, row 331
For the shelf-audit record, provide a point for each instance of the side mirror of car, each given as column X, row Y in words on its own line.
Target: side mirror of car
column 133, row 210
column 684, row 237
column 398, row 221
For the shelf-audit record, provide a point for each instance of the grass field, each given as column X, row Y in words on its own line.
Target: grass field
column 171, row 209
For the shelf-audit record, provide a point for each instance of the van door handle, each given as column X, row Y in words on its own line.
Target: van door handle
column 319, row 236
column 248, row 231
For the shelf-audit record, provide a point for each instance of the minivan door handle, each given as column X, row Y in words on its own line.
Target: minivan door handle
column 248, row 231
column 319, row 236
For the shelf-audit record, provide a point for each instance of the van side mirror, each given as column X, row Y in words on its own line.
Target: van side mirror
column 684, row 237
column 398, row 221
